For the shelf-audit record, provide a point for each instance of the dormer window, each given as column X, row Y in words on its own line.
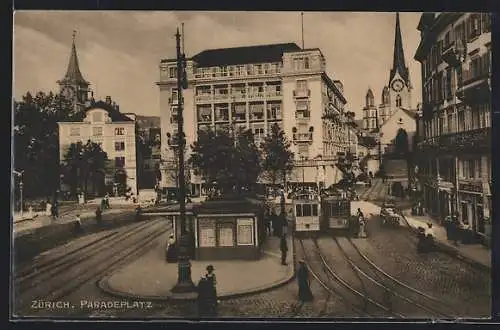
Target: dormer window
column 306, row 63
column 119, row 131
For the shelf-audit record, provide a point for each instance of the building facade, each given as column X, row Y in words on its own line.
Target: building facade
column 455, row 168
column 254, row 88
column 115, row 133
column 100, row 122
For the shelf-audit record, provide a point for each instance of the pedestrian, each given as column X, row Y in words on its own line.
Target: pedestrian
column 305, row 293
column 170, row 250
column 212, row 279
column 274, row 222
column 203, row 301
column 98, row 215
column 362, row 224
column 284, row 249
column 106, row 200
column 78, row 225
column 455, row 229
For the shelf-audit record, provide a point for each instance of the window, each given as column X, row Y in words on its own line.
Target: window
column 74, row 131
column 274, row 111
column 172, row 72
column 120, row 162
column 306, row 63
column 174, row 94
column 302, row 85
column 398, row 101
column 97, row 117
column 119, row 146
column 97, row 131
column 486, row 20
column 119, row 131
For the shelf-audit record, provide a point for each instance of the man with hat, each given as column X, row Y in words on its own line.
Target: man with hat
column 212, row 295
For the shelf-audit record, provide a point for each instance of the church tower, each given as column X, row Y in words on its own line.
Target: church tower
column 369, row 112
column 73, row 86
column 399, row 79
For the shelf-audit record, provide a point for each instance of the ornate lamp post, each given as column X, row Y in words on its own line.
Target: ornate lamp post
column 184, row 282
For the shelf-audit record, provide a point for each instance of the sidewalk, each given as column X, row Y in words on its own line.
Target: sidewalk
column 151, row 277
column 86, row 211
column 474, row 253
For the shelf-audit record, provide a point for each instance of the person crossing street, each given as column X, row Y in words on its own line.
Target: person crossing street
column 283, row 249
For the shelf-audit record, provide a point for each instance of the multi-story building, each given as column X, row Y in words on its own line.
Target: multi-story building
column 254, row 88
column 100, row 122
column 455, row 168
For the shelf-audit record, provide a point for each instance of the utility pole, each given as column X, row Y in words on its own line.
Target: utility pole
column 184, row 282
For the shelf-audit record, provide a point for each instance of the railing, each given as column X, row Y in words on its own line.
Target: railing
column 302, row 137
column 199, row 74
column 300, row 93
column 236, row 96
column 205, row 119
column 482, row 70
column 477, row 139
column 303, row 114
column 256, row 115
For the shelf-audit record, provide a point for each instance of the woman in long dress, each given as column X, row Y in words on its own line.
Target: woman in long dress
column 305, row 293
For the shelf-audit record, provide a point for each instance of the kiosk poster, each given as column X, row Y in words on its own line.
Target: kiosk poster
column 207, row 233
column 226, row 235
column 244, row 232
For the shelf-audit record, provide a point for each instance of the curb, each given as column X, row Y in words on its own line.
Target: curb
column 103, row 284
column 443, row 247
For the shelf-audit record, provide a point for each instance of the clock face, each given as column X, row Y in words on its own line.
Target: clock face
column 68, row 92
column 397, row 85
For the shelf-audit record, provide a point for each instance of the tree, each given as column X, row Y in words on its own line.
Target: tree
column 278, row 159
column 246, row 161
column 212, row 158
column 83, row 162
column 401, row 142
column 36, row 140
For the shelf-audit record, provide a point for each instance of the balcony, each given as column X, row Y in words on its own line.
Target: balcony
column 256, row 95
column 221, row 97
column 470, row 185
column 475, row 86
column 273, row 93
column 302, row 115
column 330, row 112
column 204, row 98
column 238, row 96
column 477, row 140
column 204, row 118
column 302, row 137
column 257, row 115
column 301, row 93
column 450, row 54
column 174, row 100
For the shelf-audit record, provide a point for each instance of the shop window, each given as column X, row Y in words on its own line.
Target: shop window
column 244, row 231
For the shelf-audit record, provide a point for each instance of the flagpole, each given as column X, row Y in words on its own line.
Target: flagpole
column 302, row 23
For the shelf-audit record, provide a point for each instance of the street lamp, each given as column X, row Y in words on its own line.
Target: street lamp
column 184, row 282
column 20, row 176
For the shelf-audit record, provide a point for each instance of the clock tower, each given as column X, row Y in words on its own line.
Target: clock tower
column 399, row 79
column 73, row 86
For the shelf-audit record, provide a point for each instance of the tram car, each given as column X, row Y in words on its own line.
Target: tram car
column 306, row 211
column 336, row 213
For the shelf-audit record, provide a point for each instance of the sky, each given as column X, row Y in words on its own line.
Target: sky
column 120, row 51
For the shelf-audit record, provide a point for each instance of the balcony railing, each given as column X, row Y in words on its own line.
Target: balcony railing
column 477, row 140
column 205, row 119
column 204, row 98
column 470, row 185
column 301, row 93
column 199, row 74
column 475, row 83
column 302, row 137
column 450, row 54
column 257, row 115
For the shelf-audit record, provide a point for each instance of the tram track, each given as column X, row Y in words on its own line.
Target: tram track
column 337, row 290
column 45, row 269
column 406, row 296
column 81, row 268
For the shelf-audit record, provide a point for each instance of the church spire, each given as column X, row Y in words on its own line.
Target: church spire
column 398, row 64
column 73, row 74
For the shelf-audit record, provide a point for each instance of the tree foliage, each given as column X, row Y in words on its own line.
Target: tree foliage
column 36, row 140
column 228, row 163
column 83, row 162
column 278, row 159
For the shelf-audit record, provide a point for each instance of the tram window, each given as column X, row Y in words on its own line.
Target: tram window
column 298, row 210
column 315, row 210
column 306, row 209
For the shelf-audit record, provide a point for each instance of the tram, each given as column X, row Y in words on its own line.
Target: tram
column 336, row 213
column 327, row 214
column 306, row 211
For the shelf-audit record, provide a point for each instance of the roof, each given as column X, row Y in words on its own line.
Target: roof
column 399, row 64
column 113, row 113
column 244, row 55
column 73, row 74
